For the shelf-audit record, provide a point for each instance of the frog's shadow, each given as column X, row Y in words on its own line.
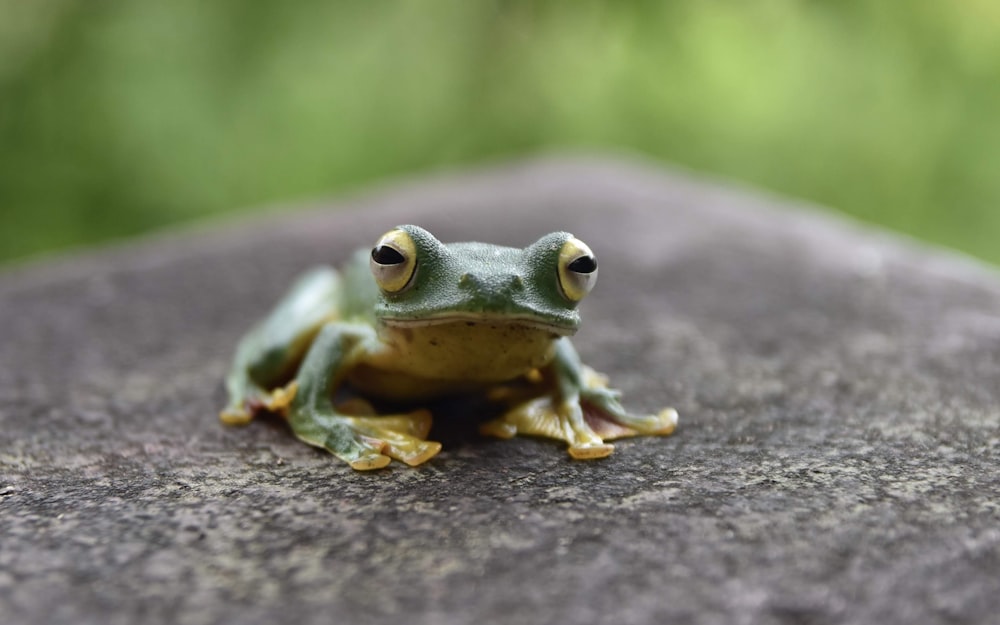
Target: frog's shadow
column 456, row 419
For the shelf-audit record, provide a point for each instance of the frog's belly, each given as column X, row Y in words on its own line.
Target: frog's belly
column 400, row 386
column 435, row 360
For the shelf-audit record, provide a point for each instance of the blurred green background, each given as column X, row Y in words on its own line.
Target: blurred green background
column 121, row 116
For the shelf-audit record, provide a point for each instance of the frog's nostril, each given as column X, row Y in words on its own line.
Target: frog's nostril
column 516, row 283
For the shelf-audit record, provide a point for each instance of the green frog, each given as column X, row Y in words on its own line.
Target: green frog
column 413, row 319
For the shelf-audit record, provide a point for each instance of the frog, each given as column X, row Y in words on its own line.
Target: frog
column 412, row 320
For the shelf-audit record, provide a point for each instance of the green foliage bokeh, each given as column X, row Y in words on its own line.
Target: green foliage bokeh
column 119, row 116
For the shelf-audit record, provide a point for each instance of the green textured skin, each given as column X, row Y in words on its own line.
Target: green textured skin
column 507, row 280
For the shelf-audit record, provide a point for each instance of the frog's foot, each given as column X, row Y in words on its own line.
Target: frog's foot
column 586, row 425
column 543, row 417
column 237, row 415
column 404, row 436
column 277, row 401
column 242, row 412
column 609, row 420
column 281, row 398
column 371, row 442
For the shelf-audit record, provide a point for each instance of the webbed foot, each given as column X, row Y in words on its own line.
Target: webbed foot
column 371, row 442
column 544, row 417
column 585, row 423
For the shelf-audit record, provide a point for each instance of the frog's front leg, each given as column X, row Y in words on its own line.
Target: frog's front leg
column 268, row 355
column 363, row 441
column 580, row 409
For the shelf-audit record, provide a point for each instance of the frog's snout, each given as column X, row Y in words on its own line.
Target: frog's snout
column 497, row 287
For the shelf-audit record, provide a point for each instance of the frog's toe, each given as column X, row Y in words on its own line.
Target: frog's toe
column 611, row 422
column 369, row 462
column 667, row 422
column 414, row 452
column 279, row 399
column 662, row 423
column 236, row 415
column 499, row 428
column 591, row 451
column 243, row 409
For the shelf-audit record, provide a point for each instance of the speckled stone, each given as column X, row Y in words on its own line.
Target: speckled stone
column 836, row 461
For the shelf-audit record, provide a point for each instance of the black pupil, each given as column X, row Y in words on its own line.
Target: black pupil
column 584, row 264
column 385, row 255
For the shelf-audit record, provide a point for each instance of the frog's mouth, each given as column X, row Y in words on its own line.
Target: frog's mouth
column 486, row 319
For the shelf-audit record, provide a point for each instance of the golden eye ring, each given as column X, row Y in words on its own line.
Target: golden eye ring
column 577, row 269
column 393, row 261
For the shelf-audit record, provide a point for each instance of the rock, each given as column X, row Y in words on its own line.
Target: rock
column 836, row 459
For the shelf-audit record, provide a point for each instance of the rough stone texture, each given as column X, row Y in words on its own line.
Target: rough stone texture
column 836, row 461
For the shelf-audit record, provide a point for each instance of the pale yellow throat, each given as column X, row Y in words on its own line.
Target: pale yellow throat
column 431, row 359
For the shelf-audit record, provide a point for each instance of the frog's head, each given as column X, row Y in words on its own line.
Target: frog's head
column 425, row 282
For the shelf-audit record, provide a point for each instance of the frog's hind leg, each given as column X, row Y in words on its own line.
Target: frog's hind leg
column 268, row 355
column 573, row 403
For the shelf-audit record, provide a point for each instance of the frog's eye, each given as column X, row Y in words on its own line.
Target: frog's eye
column 577, row 269
column 394, row 261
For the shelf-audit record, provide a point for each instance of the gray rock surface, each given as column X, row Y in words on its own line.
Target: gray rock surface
column 836, row 460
